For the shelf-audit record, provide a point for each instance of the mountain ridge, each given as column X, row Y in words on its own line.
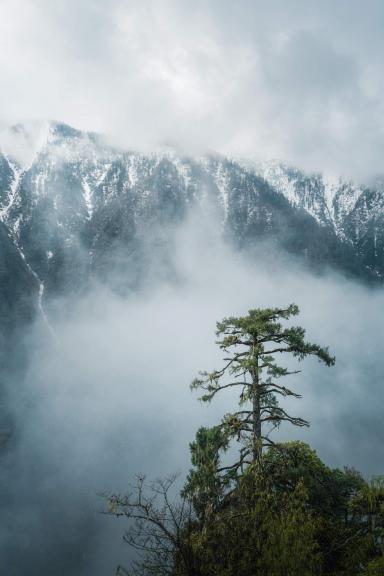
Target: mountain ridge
column 80, row 206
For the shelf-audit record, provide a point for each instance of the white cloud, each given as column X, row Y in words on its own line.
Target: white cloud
column 299, row 81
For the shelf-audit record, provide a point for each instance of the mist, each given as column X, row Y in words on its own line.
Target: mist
column 109, row 396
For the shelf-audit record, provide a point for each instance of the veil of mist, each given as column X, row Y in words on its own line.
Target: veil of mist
column 191, row 288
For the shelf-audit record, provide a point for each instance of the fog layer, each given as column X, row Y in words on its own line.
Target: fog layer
column 110, row 396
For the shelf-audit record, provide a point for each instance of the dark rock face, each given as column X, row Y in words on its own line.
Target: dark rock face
column 18, row 290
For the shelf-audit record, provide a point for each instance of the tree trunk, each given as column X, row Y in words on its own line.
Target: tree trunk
column 256, row 435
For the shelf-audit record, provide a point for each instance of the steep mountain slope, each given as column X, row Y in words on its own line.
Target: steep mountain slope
column 18, row 290
column 19, row 297
column 355, row 213
column 77, row 209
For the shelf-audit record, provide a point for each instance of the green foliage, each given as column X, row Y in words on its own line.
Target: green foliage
column 367, row 511
column 204, row 486
column 259, row 532
column 251, row 343
column 278, row 510
column 329, row 491
column 294, row 513
column 375, row 567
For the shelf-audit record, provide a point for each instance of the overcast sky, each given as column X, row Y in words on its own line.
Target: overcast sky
column 299, row 80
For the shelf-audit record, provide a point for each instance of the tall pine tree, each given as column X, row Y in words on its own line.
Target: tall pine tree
column 251, row 344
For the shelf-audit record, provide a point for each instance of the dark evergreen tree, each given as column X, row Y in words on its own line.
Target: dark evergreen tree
column 204, row 486
column 251, row 344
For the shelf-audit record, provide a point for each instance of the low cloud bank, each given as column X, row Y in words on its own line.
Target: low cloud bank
column 111, row 397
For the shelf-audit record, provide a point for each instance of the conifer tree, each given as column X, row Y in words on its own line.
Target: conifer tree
column 251, row 344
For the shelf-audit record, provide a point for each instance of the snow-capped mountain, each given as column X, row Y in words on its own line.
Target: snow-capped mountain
column 72, row 207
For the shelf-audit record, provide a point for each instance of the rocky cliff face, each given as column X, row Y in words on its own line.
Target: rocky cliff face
column 73, row 208
column 18, row 290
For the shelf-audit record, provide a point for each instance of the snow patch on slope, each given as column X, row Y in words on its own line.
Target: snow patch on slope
column 40, row 295
column 277, row 175
column 222, row 182
column 12, row 193
column 88, row 199
column 328, row 198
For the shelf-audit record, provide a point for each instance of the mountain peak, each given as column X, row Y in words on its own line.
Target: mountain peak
column 22, row 142
column 61, row 130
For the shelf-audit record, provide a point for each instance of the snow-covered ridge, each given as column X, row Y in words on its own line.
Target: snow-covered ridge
column 41, row 148
column 55, row 181
column 328, row 198
column 11, row 193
